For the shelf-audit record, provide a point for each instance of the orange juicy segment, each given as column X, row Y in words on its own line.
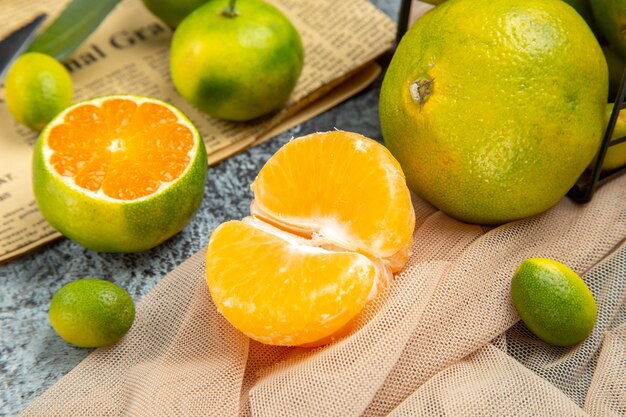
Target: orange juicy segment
column 123, row 147
column 279, row 291
column 341, row 186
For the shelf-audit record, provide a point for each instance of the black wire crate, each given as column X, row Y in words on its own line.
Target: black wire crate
column 594, row 176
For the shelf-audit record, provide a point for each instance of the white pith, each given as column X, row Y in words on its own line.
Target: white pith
column 332, row 230
column 326, row 231
column 320, row 246
column 117, row 145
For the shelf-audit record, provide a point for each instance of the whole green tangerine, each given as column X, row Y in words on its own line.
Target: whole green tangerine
column 236, row 60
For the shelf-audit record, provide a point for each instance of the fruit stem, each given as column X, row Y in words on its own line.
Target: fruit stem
column 231, row 10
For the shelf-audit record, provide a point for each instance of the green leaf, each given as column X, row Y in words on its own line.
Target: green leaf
column 79, row 19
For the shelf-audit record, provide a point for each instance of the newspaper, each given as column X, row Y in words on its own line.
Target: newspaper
column 129, row 53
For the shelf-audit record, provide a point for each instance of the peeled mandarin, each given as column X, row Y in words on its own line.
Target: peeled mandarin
column 331, row 219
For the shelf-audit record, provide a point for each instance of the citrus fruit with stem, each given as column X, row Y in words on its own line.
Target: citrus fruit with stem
column 119, row 173
column 91, row 312
column 494, row 118
column 37, row 88
column 611, row 18
column 331, row 221
column 236, row 61
column 553, row 301
column 172, row 12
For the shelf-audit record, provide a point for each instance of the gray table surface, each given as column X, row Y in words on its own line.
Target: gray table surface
column 33, row 357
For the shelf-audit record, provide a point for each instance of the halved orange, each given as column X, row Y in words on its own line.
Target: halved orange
column 119, row 173
column 331, row 219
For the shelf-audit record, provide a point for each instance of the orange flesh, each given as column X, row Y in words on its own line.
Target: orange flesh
column 331, row 220
column 341, row 186
column 124, row 149
column 295, row 294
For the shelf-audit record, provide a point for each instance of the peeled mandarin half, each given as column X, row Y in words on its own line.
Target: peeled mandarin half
column 340, row 187
column 278, row 289
column 331, row 220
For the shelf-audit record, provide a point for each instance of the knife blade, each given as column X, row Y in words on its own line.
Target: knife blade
column 17, row 41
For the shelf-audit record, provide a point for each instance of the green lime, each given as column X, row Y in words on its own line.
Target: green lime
column 172, row 12
column 91, row 312
column 553, row 301
column 37, row 88
column 236, row 64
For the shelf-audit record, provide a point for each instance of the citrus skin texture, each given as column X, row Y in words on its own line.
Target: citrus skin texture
column 91, row 312
column 553, row 301
column 611, row 18
column 110, row 225
column 236, row 67
column 583, row 7
column 494, row 118
column 37, row 88
column 172, row 12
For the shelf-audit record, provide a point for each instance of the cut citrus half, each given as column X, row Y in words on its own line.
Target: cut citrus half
column 119, row 173
column 331, row 219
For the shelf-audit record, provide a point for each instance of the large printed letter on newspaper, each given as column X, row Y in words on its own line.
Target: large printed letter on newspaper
column 129, row 53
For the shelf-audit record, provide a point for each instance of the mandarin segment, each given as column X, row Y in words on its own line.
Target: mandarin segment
column 63, row 137
column 118, row 113
column 165, row 154
column 166, row 166
column 128, row 180
column 68, row 137
column 296, row 294
column 88, row 117
column 92, row 174
column 67, row 163
column 151, row 116
column 174, row 138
